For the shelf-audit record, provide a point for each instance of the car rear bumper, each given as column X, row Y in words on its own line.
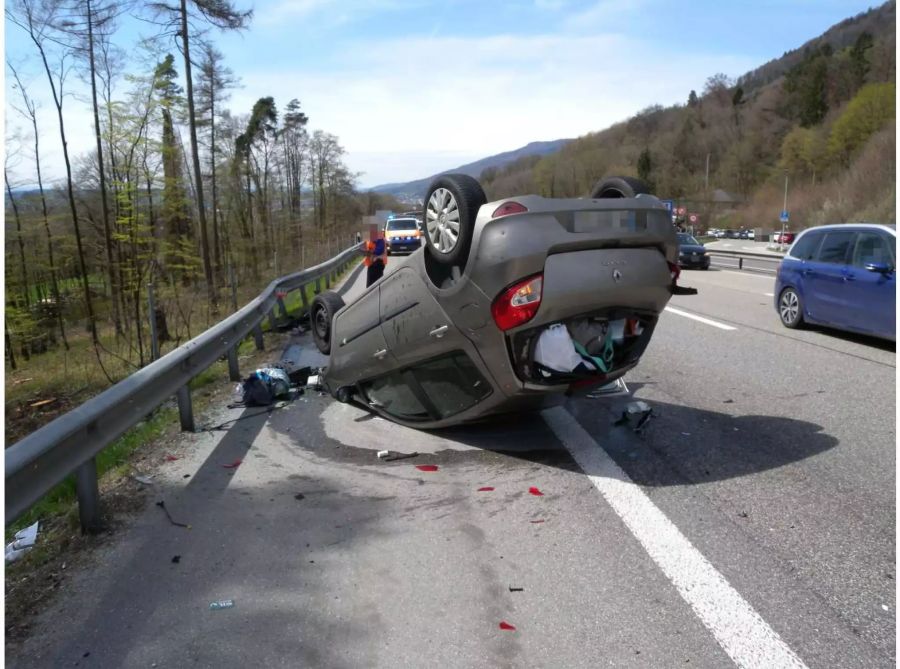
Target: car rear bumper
column 692, row 263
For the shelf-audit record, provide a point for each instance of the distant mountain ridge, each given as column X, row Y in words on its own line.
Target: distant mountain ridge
column 416, row 189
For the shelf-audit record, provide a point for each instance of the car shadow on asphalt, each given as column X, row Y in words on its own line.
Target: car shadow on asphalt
column 679, row 445
column 854, row 338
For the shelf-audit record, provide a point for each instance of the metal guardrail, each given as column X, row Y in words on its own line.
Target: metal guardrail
column 741, row 256
column 71, row 442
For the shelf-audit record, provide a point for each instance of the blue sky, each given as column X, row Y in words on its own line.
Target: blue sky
column 413, row 87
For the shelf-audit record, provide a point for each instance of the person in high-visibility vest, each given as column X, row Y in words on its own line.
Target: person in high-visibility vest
column 375, row 260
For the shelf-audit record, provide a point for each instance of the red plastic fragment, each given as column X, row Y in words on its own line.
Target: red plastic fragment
column 506, row 626
column 486, row 488
column 534, row 491
column 427, row 468
column 535, row 522
column 172, row 458
column 233, row 465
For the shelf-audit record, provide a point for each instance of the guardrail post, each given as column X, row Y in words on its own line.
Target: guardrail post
column 88, row 493
column 282, row 308
column 327, row 281
column 273, row 322
column 304, row 300
column 258, row 337
column 185, row 409
column 234, row 371
column 740, row 263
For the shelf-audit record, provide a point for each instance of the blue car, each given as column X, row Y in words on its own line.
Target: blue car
column 841, row 276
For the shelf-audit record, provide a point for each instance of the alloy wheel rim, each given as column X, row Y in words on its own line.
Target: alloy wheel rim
column 790, row 307
column 321, row 324
column 442, row 220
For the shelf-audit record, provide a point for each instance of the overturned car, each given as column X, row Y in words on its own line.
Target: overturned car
column 507, row 306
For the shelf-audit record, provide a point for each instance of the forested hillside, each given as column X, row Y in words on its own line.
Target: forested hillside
column 823, row 115
column 180, row 190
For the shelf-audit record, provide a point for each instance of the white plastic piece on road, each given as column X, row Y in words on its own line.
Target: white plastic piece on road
column 383, row 454
column 701, row 319
column 23, row 542
column 740, row 630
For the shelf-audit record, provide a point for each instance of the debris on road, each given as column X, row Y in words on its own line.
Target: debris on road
column 176, row 559
column 162, row 505
column 221, row 604
column 171, row 458
column 427, row 468
column 314, row 382
column 263, row 386
column 143, row 479
column 300, row 376
column 22, row 543
column 535, row 522
column 487, row 488
column 514, row 589
column 299, row 496
column 233, row 465
column 535, row 491
column 383, row 454
column 402, row 456
column 506, row 626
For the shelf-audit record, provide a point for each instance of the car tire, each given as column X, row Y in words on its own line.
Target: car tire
column 321, row 318
column 449, row 197
column 620, row 187
column 790, row 309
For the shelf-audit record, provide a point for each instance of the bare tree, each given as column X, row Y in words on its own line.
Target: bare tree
column 30, row 112
column 36, row 17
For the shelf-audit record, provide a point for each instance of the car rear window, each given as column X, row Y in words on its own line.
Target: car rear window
column 835, row 247
column 805, row 248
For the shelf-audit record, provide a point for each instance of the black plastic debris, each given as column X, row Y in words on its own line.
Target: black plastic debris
column 401, row 456
column 162, row 505
column 515, row 589
column 176, row 559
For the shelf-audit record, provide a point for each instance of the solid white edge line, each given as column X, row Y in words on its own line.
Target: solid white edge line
column 739, row 629
column 708, row 321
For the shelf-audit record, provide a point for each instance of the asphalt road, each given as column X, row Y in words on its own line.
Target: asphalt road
column 751, row 522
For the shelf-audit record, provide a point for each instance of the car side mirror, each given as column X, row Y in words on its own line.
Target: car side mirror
column 880, row 267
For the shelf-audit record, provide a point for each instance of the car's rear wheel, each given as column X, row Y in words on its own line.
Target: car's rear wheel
column 790, row 309
column 620, row 187
column 321, row 316
column 451, row 207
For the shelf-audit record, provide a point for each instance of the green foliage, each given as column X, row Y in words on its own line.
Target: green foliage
column 873, row 106
column 806, row 86
column 645, row 166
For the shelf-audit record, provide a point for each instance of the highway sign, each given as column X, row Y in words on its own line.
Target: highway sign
column 670, row 204
column 693, row 218
column 681, row 211
column 784, row 218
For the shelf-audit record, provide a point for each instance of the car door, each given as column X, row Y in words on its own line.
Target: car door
column 359, row 343
column 824, row 287
column 414, row 325
column 872, row 296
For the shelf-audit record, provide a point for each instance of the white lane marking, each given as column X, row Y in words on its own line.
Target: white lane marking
column 769, row 294
column 708, row 321
column 739, row 629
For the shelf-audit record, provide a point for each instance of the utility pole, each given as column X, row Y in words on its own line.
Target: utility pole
column 707, row 176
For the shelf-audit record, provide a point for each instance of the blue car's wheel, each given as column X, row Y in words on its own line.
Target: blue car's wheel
column 790, row 309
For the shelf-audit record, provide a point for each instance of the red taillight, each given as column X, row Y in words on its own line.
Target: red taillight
column 519, row 303
column 509, row 208
column 675, row 271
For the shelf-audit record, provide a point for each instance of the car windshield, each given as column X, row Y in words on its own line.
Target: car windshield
column 408, row 224
column 684, row 238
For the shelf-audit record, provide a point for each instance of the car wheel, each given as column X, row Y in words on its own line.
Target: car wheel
column 321, row 316
column 451, row 207
column 619, row 187
column 790, row 309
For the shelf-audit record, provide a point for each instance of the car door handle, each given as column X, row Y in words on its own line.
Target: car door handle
column 439, row 332
column 380, row 354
